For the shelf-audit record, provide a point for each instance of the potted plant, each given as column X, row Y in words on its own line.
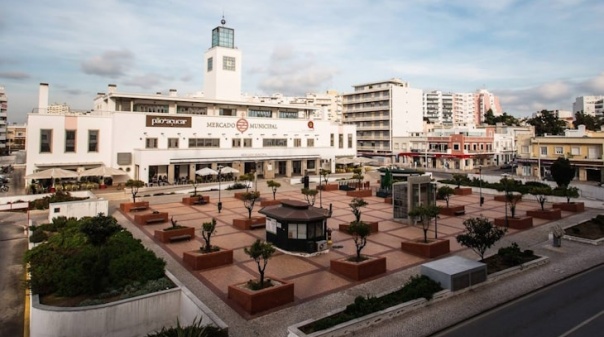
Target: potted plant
column 570, row 192
column 246, row 180
column 273, row 185
column 460, row 178
column 355, row 206
column 249, row 200
column 310, row 195
column 134, row 186
column 262, row 294
column 359, row 267
column 195, row 199
column 541, row 194
column 479, row 235
column 423, row 214
column 512, row 199
column 208, row 256
column 326, row 186
column 445, row 192
column 385, row 190
column 357, row 174
column 174, row 233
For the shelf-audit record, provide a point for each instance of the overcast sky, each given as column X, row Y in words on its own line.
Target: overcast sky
column 534, row 55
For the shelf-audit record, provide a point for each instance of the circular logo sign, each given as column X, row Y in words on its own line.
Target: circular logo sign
column 242, row 125
column 311, row 125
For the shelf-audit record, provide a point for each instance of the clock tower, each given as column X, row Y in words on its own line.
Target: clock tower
column 222, row 78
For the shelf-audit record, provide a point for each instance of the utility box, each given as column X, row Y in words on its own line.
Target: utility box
column 455, row 272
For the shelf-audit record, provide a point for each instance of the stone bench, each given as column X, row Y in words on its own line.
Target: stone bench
column 149, row 218
column 461, row 212
column 180, row 237
column 138, row 208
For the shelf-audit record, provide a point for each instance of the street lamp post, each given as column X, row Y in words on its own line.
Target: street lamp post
column 436, row 217
column 480, row 182
column 219, row 189
column 320, row 189
column 505, row 185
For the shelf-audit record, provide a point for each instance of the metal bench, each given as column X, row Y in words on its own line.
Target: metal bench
column 138, row 208
column 257, row 225
column 200, row 201
column 180, row 237
column 158, row 219
column 461, row 212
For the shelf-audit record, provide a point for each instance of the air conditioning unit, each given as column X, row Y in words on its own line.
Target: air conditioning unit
column 321, row 245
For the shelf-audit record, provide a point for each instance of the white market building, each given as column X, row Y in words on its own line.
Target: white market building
column 173, row 136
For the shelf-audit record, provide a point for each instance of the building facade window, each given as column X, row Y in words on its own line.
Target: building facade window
column 45, row 141
column 151, row 143
column 575, row 150
column 274, row 142
column 210, row 64
column 310, row 164
column 228, row 63
column 543, row 150
column 310, row 142
column 247, row 142
column 173, row 143
column 204, row 142
column 228, row 112
column 341, row 141
column 192, row 110
column 70, row 141
column 296, row 231
column 260, row 113
column 288, row 114
column 297, row 142
column 350, row 145
column 93, row 140
column 456, row 146
column 236, row 142
column 558, row 150
column 331, row 139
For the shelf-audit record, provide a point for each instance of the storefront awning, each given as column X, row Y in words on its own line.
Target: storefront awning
column 249, row 159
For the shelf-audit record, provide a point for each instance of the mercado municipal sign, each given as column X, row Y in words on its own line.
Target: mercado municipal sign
column 241, row 125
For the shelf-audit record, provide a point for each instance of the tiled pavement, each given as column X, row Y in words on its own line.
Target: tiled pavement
column 316, row 286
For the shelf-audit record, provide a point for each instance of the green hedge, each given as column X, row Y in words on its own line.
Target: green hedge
column 514, row 185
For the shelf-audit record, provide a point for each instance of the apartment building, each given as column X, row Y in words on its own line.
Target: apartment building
column 383, row 110
column 16, row 137
column 587, row 104
column 438, row 107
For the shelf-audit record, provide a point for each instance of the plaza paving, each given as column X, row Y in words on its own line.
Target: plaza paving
column 311, row 275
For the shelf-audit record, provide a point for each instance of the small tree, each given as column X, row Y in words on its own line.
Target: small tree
column 541, row 194
column 324, row 175
column 386, row 181
column 249, row 199
column 355, row 205
column 357, row 174
column 261, row 252
column 425, row 214
column 570, row 192
column 359, row 231
column 480, row 234
column 134, row 185
column 207, row 229
column 195, row 182
column 445, row 192
column 246, row 180
column 310, row 195
column 274, row 185
column 99, row 228
column 459, row 178
column 507, row 185
column 562, row 171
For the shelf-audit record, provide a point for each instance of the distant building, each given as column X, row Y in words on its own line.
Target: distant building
column 383, row 110
column 587, row 104
column 438, row 107
column 16, row 137
column 58, row 108
column 3, row 120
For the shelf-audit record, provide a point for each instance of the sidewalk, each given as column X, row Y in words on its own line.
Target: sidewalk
column 319, row 291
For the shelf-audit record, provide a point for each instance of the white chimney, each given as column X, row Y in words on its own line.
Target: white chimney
column 111, row 88
column 173, row 93
column 43, row 98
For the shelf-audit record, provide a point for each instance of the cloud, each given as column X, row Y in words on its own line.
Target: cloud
column 291, row 72
column 14, row 75
column 112, row 63
column 594, row 85
column 147, row 81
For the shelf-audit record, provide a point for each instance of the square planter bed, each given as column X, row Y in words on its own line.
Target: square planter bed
column 452, row 211
column 168, row 235
column 134, row 206
column 239, row 195
column 433, row 248
column 328, row 187
column 250, row 223
column 515, row 223
column 463, row 191
column 503, row 198
column 549, row 214
column 357, row 271
column 373, row 226
column 198, row 260
column 151, row 218
column 388, row 200
column 570, row 207
column 255, row 301
column 195, row 200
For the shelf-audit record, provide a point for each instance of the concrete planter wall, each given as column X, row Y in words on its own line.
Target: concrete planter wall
column 127, row 206
column 151, row 218
column 165, row 235
column 462, row 191
column 359, row 270
column 328, row 187
column 270, row 202
column 503, row 198
column 451, row 211
column 255, row 301
column 373, row 226
column 193, row 200
column 388, row 200
column 549, row 214
column 515, row 223
column 246, row 224
column 198, row 260
column 570, row 207
column 431, row 249
column 359, row 194
column 239, row 195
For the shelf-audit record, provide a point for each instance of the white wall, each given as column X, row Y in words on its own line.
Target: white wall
column 407, row 111
column 78, row 209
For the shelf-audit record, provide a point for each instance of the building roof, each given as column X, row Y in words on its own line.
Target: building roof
column 295, row 211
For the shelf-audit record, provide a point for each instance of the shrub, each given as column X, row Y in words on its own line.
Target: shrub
column 38, row 236
column 236, row 186
column 511, row 255
column 194, row 330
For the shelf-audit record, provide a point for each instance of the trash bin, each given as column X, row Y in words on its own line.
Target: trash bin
column 557, row 241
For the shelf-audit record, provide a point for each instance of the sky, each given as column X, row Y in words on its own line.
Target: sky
column 533, row 54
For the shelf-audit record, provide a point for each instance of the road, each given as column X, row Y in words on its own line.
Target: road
column 570, row 308
column 13, row 244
